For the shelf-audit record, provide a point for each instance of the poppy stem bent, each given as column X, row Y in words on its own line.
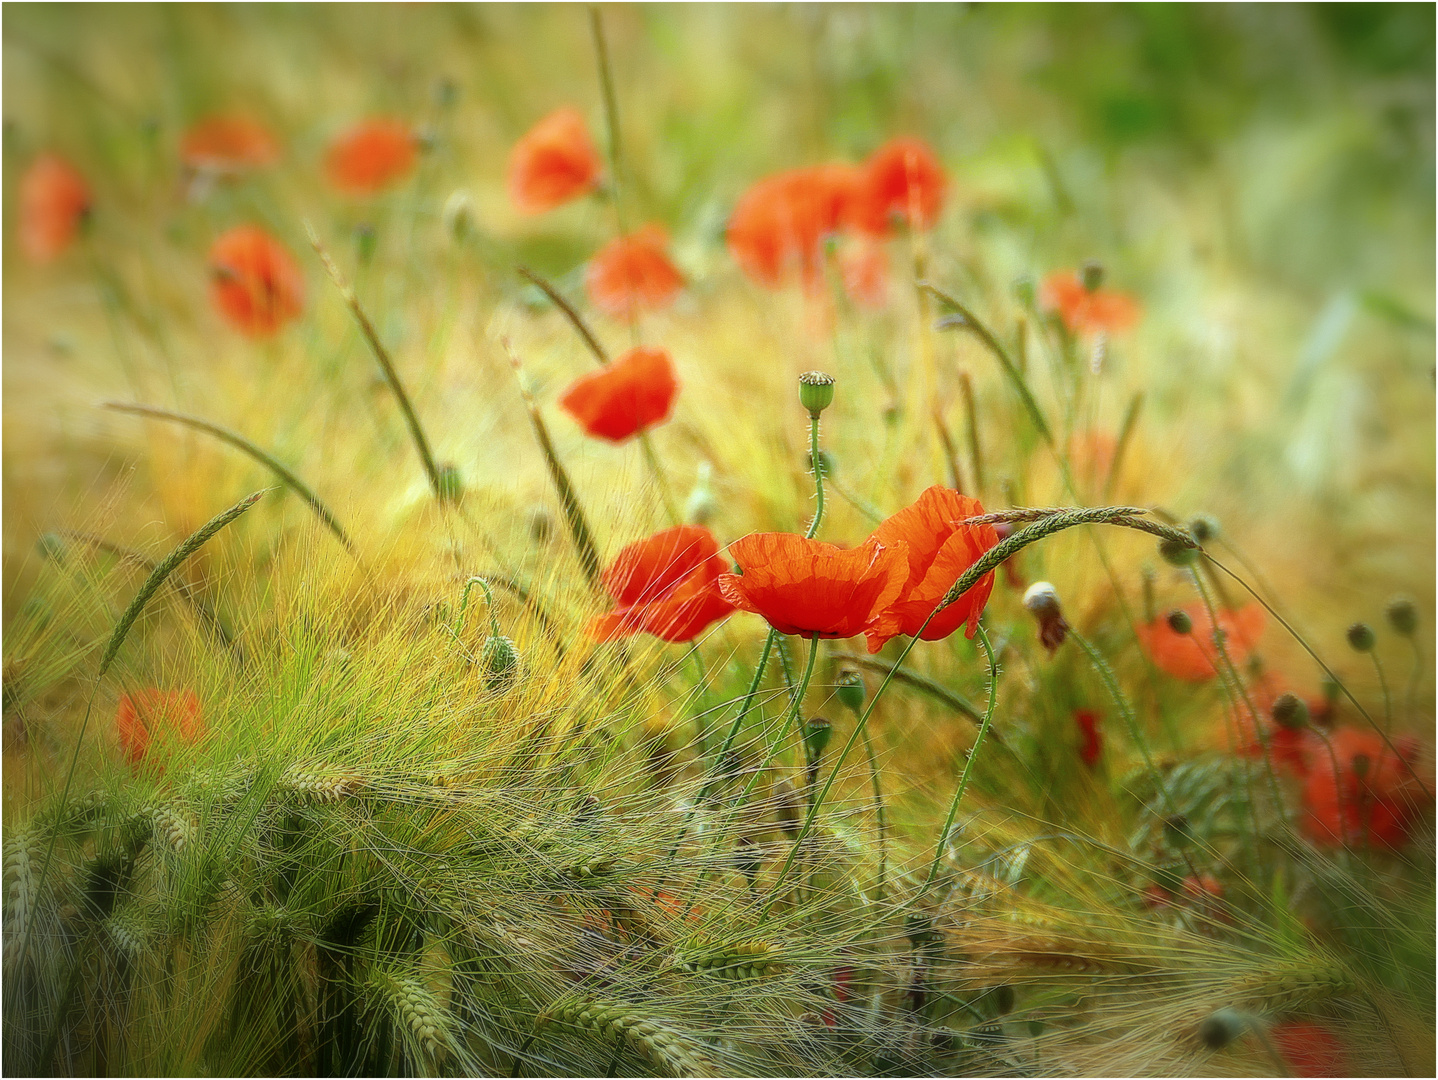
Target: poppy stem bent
column 817, row 463
column 670, row 510
column 611, row 110
column 575, row 319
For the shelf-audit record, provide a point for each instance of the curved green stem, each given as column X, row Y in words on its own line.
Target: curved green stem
column 489, row 606
column 968, row 764
column 879, row 813
column 818, row 466
column 1383, row 684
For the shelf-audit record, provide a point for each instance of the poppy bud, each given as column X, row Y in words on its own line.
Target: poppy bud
column 1180, row 622
column 366, row 240
column 1361, row 637
column 1176, row 553
column 1178, row 830
column 816, row 391
column 850, row 690
column 500, row 661
column 788, row 807
column 450, row 486
column 458, row 215
column 1204, row 528
column 1092, row 275
column 1402, row 616
column 1043, row 601
column 541, row 524
column 1289, row 712
column 700, row 506
column 1221, row 1027
column 817, row 733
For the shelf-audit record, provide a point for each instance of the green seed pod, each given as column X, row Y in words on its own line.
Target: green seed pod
column 817, row 733
column 1289, row 712
column 451, row 485
column 500, row 661
column 1204, row 528
column 1221, row 1027
column 850, row 690
column 1179, row 622
column 1361, row 637
column 816, row 391
column 1402, row 616
column 1092, row 275
column 1175, row 553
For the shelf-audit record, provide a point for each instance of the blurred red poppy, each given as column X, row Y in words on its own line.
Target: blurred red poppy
column 1371, row 798
column 808, row 587
column 633, row 273
column 779, row 225
column 940, row 549
column 1084, row 310
column 371, row 156
column 1090, row 739
column 865, row 269
column 1289, row 748
column 54, row 199
column 152, row 713
column 228, row 143
column 1192, row 656
column 1310, row 1049
column 254, row 281
column 553, row 163
column 625, row 397
column 665, row 585
column 902, row 180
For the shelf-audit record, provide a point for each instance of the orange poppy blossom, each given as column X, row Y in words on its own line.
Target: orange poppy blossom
column 779, row 225
column 228, row 143
column 255, row 282
column 1192, row 656
column 142, row 717
column 554, row 163
column 626, row 397
column 633, row 273
column 1371, row 798
column 371, row 156
column 665, row 585
column 54, row 199
column 809, row 588
column 1084, row 310
column 902, row 180
column 941, row 547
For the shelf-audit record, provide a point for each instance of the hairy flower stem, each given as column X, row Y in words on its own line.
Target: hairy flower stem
column 489, row 606
column 968, row 764
column 878, row 813
column 1383, row 685
column 816, row 464
column 611, row 110
column 1411, row 693
column 666, row 495
column 940, row 693
column 1125, row 436
column 293, row 482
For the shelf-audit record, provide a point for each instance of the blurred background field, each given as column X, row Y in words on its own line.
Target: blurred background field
column 1259, row 177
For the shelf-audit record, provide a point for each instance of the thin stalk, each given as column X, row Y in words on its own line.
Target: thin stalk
column 381, row 355
column 611, row 111
column 293, row 482
column 971, row 417
column 573, row 512
column 879, row 813
column 575, row 319
column 870, row 512
column 951, row 457
column 665, row 494
column 1383, row 684
column 489, row 606
column 968, row 764
column 1411, row 693
column 817, row 465
column 1125, row 436
column 942, row 694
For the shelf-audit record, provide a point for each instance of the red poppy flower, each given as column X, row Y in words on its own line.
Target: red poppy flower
column 553, row 163
column 808, row 587
column 633, row 273
column 665, row 585
column 1087, row 311
column 153, row 713
column 865, row 270
column 1310, row 1049
column 54, row 198
column 1192, row 656
column 940, row 550
column 1371, row 798
column 902, row 179
column 1288, row 748
column 779, row 225
column 371, row 156
column 625, row 397
column 254, row 281
column 1090, row 740
column 228, row 143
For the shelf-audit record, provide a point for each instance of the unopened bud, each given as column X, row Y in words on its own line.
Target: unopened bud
column 816, row 391
column 51, row 546
column 500, row 661
column 1289, row 712
column 1402, row 616
column 1204, row 528
column 1042, row 600
column 1361, row 637
column 450, row 486
column 817, row 733
column 458, row 215
column 1176, row 553
column 850, row 689
column 1180, row 622
column 1092, row 275
column 699, row 508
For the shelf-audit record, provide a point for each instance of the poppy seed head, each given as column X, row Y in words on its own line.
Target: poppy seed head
column 816, row 391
